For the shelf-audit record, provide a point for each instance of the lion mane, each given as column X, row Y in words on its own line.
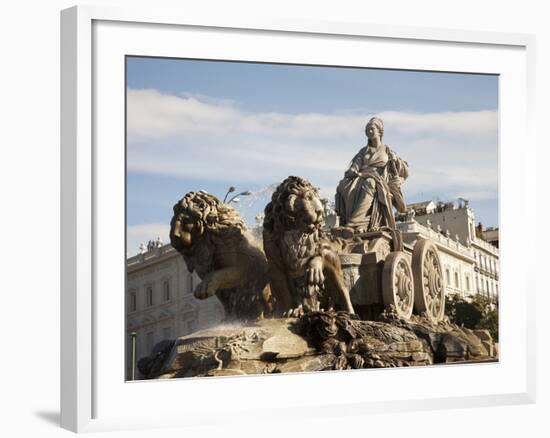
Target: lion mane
column 215, row 242
column 305, row 270
column 211, row 217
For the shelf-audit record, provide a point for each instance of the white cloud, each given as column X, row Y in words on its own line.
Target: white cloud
column 452, row 153
column 142, row 233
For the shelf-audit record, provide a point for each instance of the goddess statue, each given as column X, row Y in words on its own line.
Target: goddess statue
column 371, row 186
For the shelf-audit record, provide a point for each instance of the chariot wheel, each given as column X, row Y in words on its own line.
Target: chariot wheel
column 398, row 284
column 429, row 292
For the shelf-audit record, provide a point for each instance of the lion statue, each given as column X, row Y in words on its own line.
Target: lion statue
column 214, row 241
column 305, row 270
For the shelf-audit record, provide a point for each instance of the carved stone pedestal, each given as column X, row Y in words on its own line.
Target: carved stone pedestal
column 318, row 341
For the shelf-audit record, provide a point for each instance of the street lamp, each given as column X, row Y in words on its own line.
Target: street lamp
column 133, row 373
column 234, row 198
column 231, row 190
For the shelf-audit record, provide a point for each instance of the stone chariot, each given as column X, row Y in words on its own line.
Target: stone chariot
column 382, row 273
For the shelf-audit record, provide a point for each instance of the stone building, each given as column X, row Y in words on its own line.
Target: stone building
column 457, row 259
column 421, row 208
column 159, row 300
column 453, row 227
column 490, row 235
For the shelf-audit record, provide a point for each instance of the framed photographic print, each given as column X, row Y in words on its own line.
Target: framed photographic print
column 256, row 208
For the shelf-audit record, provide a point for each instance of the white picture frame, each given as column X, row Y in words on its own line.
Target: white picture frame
column 94, row 396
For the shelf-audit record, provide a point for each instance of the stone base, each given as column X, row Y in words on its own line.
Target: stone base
column 318, row 341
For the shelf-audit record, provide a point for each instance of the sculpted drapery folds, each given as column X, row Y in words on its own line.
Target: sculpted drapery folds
column 371, row 186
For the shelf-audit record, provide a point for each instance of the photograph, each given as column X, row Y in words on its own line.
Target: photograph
column 299, row 218
column 285, row 218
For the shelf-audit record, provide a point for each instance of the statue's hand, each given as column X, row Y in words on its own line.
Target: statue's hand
column 351, row 173
column 396, row 181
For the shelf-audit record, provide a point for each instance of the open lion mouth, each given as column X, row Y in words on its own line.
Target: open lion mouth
column 319, row 219
column 320, row 216
column 315, row 223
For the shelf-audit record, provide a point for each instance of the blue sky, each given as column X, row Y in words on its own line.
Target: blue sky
column 207, row 125
column 296, row 89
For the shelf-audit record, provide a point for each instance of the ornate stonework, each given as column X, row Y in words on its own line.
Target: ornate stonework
column 398, row 284
column 428, row 277
column 318, row 341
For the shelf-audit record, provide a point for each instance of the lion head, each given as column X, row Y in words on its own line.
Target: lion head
column 199, row 214
column 295, row 205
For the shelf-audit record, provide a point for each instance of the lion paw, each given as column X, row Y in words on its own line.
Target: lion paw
column 202, row 291
column 312, row 290
column 297, row 312
column 315, row 271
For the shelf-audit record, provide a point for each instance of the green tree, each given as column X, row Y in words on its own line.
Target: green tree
column 479, row 312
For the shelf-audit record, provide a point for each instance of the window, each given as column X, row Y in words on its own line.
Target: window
column 133, row 302
column 448, row 277
column 166, row 289
column 149, row 295
column 167, row 333
column 467, row 283
column 456, row 279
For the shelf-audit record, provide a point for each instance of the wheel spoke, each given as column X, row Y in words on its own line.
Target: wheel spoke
column 430, row 292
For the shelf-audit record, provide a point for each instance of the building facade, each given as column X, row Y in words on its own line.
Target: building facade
column 474, row 267
column 159, row 300
column 490, row 235
column 457, row 260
